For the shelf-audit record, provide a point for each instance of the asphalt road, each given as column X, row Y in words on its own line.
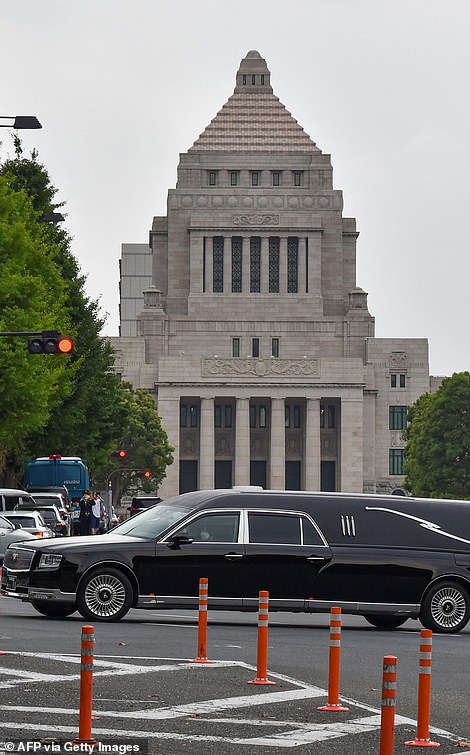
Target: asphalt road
column 148, row 693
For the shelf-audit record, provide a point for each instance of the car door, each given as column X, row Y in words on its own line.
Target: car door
column 207, row 545
column 284, row 553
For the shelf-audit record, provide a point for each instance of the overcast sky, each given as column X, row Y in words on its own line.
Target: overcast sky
column 122, row 87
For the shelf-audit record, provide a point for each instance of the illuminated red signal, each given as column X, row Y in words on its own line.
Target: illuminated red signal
column 119, row 454
column 64, row 345
column 122, row 454
column 147, row 474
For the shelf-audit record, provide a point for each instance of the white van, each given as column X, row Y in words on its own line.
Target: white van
column 10, row 497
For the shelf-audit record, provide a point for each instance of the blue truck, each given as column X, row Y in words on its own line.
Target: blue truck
column 56, row 471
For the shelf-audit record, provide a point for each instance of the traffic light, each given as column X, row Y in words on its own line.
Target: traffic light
column 147, row 474
column 50, row 342
column 143, row 473
column 120, row 454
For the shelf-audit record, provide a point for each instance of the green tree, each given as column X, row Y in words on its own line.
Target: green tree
column 88, row 420
column 32, row 298
column 146, row 444
column 437, row 453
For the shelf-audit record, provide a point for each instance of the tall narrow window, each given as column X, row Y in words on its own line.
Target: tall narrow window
column 255, row 178
column 396, row 417
column 292, row 264
column 252, row 415
column 286, row 415
column 276, row 178
column 183, row 415
column 235, row 347
column 228, row 415
column 402, row 381
column 218, row 264
column 255, row 347
column 236, row 264
column 212, row 178
column 262, row 416
column 297, row 178
column 193, row 415
column 274, row 264
column 396, row 461
column 253, row 79
column 255, row 264
column 217, row 415
column 275, row 347
column 234, row 178
column 297, row 415
column 262, row 79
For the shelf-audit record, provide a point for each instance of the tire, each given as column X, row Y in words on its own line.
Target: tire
column 104, row 595
column 385, row 621
column 445, row 608
column 54, row 610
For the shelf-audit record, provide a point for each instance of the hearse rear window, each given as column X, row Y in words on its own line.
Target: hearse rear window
column 290, row 529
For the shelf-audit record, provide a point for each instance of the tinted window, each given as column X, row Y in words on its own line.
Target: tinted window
column 311, row 535
column 216, row 528
column 48, row 515
column 25, row 521
column 274, row 528
column 11, row 501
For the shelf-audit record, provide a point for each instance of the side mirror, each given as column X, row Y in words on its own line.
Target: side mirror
column 178, row 540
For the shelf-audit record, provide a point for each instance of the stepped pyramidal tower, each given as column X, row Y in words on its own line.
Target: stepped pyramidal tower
column 244, row 318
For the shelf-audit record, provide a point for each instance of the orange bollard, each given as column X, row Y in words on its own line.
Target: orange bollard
column 334, row 663
column 262, row 661
column 202, row 622
column 389, row 693
column 86, row 686
column 424, row 693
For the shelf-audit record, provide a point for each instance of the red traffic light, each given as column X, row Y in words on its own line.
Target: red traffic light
column 64, row 345
column 147, row 474
column 120, row 454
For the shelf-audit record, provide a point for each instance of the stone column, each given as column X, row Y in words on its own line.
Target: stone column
column 196, row 262
column 264, row 265
column 209, row 264
column 314, row 263
column 283, row 265
column 227, row 265
column 302, row 266
column 312, row 445
column 242, row 441
column 206, row 451
column 278, row 445
column 352, row 445
column 246, row 265
column 169, row 411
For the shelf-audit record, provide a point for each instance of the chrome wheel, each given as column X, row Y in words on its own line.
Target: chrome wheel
column 446, row 608
column 105, row 596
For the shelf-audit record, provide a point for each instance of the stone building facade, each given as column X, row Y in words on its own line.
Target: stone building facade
column 252, row 332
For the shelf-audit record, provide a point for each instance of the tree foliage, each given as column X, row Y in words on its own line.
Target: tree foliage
column 86, row 419
column 32, row 298
column 437, row 453
column 145, row 442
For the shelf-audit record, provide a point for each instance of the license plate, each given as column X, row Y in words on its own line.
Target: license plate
column 75, row 515
column 10, row 583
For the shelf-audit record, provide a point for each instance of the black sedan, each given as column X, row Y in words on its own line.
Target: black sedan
column 385, row 558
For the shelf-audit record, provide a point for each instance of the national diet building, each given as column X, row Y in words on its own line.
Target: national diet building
column 244, row 318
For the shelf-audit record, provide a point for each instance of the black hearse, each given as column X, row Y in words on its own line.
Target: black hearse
column 387, row 558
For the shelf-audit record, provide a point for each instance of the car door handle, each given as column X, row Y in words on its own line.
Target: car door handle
column 315, row 558
column 233, row 556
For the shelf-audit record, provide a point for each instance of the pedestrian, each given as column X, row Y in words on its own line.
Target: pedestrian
column 84, row 520
column 95, row 513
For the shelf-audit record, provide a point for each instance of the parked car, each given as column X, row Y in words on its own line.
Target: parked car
column 142, row 502
column 51, row 489
column 11, row 497
column 43, row 498
column 31, row 521
column 9, row 534
column 51, row 515
column 387, row 558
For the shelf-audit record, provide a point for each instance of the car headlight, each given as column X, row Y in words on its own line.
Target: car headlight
column 49, row 561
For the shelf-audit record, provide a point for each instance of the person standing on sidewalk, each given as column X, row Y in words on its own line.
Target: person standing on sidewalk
column 95, row 513
column 84, row 520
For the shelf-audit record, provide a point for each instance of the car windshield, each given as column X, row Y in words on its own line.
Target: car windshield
column 152, row 522
column 48, row 500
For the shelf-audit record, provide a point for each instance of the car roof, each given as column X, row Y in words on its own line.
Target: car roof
column 15, row 491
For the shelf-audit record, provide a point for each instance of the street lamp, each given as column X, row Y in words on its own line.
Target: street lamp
column 20, row 121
